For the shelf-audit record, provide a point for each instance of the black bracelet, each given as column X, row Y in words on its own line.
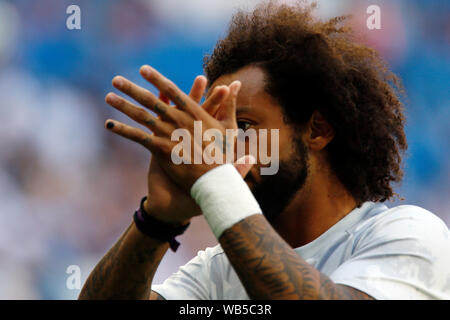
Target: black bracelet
column 157, row 229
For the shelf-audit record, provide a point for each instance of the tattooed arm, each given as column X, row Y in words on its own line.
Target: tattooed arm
column 127, row 270
column 270, row 269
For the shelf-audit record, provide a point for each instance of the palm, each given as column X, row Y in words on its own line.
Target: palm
column 165, row 197
column 167, row 201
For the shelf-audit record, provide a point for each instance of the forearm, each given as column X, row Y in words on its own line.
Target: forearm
column 270, row 269
column 127, row 270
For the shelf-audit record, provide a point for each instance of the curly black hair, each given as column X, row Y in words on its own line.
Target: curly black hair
column 318, row 65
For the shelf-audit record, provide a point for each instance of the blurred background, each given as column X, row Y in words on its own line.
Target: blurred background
column 68, row 188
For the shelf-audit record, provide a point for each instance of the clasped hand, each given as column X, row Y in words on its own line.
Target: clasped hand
column 169, row 184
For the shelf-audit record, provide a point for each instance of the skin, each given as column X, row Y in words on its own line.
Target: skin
column 128, row 268
column 259, row 252
column 323, row 200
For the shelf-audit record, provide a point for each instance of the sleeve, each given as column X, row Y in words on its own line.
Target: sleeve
column 403, row 255
column 191, row 281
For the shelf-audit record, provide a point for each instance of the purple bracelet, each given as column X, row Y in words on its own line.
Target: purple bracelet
column 156, row 229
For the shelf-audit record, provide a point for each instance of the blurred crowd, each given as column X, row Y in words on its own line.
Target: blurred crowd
column 68, row 188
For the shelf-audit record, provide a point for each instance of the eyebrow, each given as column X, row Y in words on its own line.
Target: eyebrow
column 243, row 109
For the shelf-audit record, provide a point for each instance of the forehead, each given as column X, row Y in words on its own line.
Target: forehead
column 252, row 79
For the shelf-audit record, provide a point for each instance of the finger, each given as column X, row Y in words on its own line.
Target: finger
column 144, row 97
column 215, row 99
column 138, row 114
column 151, row 142
column 170, row 90
column 244, row 164
column 227, row 111
column 198, row 89
column 164, row 99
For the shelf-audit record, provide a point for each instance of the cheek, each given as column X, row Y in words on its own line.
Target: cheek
column 286, row 148
column 279, row 148
column 268, row 145
column 281, row 144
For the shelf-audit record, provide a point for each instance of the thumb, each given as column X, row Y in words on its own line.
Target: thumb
column 227, row 111
column 244, row 164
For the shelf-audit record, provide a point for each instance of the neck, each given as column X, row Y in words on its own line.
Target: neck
column 314, row 209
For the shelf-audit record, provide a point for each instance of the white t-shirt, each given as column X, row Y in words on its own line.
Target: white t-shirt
column 397, row 253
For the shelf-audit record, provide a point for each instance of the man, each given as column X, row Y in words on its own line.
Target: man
column 323, row 232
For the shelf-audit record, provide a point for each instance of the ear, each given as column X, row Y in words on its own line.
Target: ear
column 320, row 132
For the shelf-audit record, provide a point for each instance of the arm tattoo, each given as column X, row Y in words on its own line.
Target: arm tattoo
column 270, row 269
column 124, row 273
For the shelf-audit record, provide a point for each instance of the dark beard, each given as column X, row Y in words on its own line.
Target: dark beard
column 275, row 192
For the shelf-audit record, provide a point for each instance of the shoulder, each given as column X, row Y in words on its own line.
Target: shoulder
column 404, row 225
column 405, row 220
column 399, row 253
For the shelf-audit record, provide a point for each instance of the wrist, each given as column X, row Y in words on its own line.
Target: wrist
column 157, row 229
column 224, row 198
column 155, row 213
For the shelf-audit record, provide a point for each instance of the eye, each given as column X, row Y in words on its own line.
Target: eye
column 244, row 125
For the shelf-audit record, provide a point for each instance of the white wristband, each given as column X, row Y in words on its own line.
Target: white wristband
column 224, row 197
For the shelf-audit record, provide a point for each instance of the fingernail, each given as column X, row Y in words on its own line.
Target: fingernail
column 250, row 159
column 237, row 87
column 118, row 82
column 146, row 70
column 247, row 159
column 111, row 98
column 110, row 125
